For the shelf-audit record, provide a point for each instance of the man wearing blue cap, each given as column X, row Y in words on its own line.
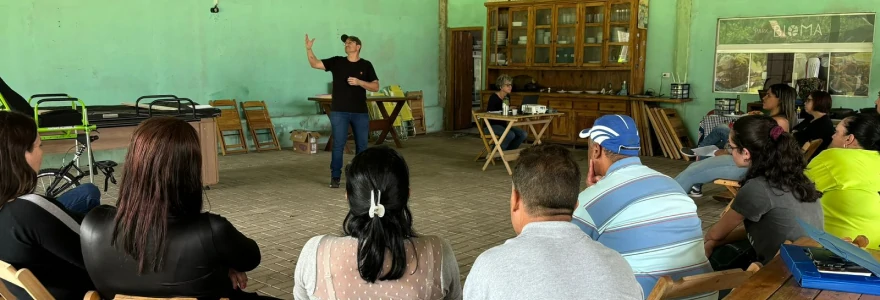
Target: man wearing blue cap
column 640, row 213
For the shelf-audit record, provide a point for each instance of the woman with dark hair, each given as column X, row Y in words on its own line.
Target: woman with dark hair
column 157, row 242
column 818, row 124
column 778, row 101
column 775, row 193
column 847, row 175
column 35, row 233
column 380, row 254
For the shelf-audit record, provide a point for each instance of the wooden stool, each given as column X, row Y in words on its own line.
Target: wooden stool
column 229, row 120
column 257, row 116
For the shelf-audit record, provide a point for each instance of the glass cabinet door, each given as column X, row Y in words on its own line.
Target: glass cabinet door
column 621, row 16
column 566, row 26
column 543, row 40
column 593, row 39
column 518, row 38
column 497, row 44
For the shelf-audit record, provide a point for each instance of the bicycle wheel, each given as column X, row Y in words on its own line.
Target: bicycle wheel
column 51, row 183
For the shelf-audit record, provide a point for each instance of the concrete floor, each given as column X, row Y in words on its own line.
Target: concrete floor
column 281, row 199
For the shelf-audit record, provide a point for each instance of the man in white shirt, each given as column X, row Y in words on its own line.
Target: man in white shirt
column 551, row 258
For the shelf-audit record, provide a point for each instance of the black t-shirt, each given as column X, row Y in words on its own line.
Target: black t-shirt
column 36, row 233
column 771, row 216
column 810, row 129
column 349, row 98
column 496, row 104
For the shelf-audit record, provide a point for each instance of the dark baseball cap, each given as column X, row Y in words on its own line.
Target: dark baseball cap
column 354, row 39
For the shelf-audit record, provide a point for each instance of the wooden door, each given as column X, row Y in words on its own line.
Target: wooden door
column 560, row 127
column 462, row 79
column 565, row 30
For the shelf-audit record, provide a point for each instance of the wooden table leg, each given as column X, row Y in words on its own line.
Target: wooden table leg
column 390, row 122
column 326, row 107
column 497, row 148
column 540, row 133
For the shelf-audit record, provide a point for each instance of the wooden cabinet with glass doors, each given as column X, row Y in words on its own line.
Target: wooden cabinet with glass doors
column 566, row 33
column 574, row 47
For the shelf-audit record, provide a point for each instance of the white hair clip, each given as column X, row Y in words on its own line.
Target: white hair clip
column 376, row 208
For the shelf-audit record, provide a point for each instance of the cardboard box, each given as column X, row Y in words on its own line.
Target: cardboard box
column 305, row 142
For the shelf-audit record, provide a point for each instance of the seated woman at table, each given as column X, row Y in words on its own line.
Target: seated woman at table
column 775, row 193
column 35, row 232
column 157, row 242
column 818, row 124
column 848, row 177
column 779, row 101
column 380, row 254
column 516, row 136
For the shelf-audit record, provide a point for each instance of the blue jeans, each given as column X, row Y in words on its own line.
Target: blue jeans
column 81, row 199
column 360, row 128
column 515, row 137
column 718, row 137
column 707, row 170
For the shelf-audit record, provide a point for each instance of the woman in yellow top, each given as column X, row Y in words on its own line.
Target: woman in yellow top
column 848, row 174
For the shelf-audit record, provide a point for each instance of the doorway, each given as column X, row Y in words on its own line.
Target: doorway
column 464, row 70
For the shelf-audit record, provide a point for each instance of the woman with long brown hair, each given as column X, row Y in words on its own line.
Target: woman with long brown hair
column 35, row 232
column 157, row 242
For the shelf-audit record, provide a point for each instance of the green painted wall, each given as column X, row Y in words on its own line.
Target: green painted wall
column 107, row 52
column 466, row 13
column 705, row 15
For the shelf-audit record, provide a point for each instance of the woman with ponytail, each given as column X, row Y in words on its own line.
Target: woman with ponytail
column 847, row 175
column 775, row 193
column 380, row 254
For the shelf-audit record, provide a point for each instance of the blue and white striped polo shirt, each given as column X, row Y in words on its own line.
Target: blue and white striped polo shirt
column 646, row 217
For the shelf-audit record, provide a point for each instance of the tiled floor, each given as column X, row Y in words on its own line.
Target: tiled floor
column 281, row 199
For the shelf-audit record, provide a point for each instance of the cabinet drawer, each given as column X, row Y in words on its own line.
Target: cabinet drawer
column 560, row 104
column 615, row 107
column 586, row 105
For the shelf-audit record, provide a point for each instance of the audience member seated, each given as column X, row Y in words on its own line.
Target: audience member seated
column 551, row 258
column 157, row 242
column 779, row 101
column 640, row 213
column 818, row 124
column 775, row 193
column 848, row 177
column 516, row 136
column 37, row 232
column 380, row 255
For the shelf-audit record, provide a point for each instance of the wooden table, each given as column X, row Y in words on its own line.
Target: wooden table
column 518, row 120
column 774, row 281
column 386, row 124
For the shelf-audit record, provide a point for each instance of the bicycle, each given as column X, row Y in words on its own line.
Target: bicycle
column 66, row 179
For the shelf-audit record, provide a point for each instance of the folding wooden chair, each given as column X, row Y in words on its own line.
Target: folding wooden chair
column 666, row 288
column 229, row 120
column 418, row 111
column 257, row 116
column 488, row 143
column 26, row 280
column 811, row 147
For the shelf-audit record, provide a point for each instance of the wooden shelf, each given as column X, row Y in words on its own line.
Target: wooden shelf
column 559, row 68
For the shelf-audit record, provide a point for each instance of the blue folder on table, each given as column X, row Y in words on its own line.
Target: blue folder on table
column 808, row 276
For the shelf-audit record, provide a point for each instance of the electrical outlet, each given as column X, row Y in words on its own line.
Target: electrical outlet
column 666, row 75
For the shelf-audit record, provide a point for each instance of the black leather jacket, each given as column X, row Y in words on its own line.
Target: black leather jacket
column 200, row 252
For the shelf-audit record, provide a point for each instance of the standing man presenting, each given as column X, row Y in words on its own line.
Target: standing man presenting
column 352, row 78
